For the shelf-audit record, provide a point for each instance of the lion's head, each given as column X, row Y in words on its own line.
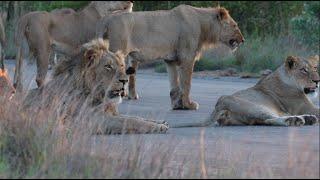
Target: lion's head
column 103, row 71
column 303, row 72
column 106, row 7
column 230, row 33
column 100, row 72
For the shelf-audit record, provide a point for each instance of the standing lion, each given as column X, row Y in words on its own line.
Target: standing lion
column 35, row 32
column 178, row 36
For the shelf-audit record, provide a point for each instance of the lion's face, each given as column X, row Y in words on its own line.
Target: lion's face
column 305, row 72
column 104, row 72
column 230, row 33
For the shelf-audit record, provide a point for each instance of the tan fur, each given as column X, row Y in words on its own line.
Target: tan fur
column 178, row 36
column 6, row 89
column 36, row 31
column 278, row 99
column 88, row 87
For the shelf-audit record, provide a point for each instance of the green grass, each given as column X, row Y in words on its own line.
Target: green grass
column 255, row 55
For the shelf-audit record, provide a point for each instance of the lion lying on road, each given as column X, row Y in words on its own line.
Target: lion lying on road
column 277, row 99
column 178, row 36
column 89, row 87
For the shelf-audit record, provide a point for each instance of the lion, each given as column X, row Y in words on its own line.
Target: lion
column 6, row 88
column 89, row 85
column 178, row 36
column 279, row 99
column 36, row 30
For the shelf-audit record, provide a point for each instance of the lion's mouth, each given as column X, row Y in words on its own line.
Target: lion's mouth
column 308, row 90
column 233, row 43
column 116, row 93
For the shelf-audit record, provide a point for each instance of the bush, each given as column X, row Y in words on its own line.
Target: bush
column 306, row 27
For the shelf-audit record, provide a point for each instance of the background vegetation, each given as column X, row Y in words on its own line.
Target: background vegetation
column 272, row 29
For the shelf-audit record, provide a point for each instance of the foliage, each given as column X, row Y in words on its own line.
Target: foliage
column 260, row 21
column 306, row 27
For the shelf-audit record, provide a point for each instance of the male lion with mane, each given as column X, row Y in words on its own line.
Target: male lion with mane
column 35, row 32
column 178, row 36
column 279, row 99
column 89, row 86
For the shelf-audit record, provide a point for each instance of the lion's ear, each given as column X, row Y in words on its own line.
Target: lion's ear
column 291, row 61
column 222, row 14
column 89, row 57
column 316, row 57
column 314, row 60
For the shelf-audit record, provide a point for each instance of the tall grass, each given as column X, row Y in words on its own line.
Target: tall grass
column 31, row 146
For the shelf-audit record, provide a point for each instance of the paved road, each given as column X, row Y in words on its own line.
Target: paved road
column 242, row 151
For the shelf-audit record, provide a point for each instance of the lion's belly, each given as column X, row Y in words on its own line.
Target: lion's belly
column 155, row 37
column 259, row 99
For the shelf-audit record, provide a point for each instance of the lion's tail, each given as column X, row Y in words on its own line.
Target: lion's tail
column 205, row 123
column 209, row 121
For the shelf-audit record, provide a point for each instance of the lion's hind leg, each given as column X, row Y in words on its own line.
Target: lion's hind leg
column 231, row 110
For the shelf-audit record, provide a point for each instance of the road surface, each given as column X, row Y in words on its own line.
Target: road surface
column 239, row 151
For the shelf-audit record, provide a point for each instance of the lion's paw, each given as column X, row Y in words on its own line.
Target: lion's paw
column 294, row 121
column 133, row 96
column 310, row 119
column 163, row 127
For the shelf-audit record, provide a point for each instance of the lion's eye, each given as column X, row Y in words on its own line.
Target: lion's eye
column 304, row 70
column 108, row 67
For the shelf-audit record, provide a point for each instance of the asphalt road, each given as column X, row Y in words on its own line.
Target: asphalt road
column 256, row 150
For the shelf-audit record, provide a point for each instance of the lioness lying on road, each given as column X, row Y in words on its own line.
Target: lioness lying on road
column 89, row 87
column 277, row 99
column 178, row 36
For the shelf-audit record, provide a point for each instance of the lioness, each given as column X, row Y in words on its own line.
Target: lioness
column 36, row 30
column 277, row 99
column 89, row 86
column 178, row 36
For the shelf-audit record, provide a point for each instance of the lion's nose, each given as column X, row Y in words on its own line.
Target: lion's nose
column 124, row 81
column 316, row 81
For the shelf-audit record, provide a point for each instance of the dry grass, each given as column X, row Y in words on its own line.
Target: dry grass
column 36, row 146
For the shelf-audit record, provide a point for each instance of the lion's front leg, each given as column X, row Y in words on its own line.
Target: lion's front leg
column 132, row 94
column 175, row 93
column 185, row 75
column 127, row 124
column 286, row 121
column 310, row 119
